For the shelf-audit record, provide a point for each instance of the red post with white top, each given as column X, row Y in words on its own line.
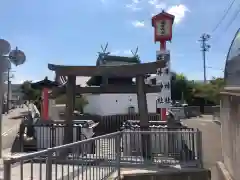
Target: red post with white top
column 162, row 24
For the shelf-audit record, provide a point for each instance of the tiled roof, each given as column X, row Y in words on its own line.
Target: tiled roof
column 121, row 58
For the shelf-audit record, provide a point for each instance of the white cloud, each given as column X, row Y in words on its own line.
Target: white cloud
column 126, row 52
column 134, row 5
column 161, row 6
column 115, row 52
column 155, row 6
column 153, row 2
column 20, row 81
column 19, row 77
column 179, row 11
column 138, row 24
column 79, row 80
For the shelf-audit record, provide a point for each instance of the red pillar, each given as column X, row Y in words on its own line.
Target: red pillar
column 164, row 114
column 163, row 111
column 45, row 104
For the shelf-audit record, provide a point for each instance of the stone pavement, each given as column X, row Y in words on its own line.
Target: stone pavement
column 10, row 125
column 36, row 171
column 211, row 136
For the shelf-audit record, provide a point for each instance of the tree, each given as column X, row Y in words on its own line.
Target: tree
column 190, row 91
column 210, row 91
column 181, row 87
column 29, row 93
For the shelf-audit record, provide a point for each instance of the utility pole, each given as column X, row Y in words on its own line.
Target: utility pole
column 204, row 48
column 8, row 88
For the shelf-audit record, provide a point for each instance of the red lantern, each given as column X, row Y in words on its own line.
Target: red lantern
column 162, row 24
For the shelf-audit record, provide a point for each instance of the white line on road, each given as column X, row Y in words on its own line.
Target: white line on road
column 9, row 131
column 199, row 120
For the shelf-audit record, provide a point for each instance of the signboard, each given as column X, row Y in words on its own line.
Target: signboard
column 162, row 56
column 163, row 79
column 163, row 28
column 178, row 111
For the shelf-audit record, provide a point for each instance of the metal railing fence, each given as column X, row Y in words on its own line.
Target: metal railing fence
column 166, row 146
column 50, row 134
column 71, row 161
column 100, row 157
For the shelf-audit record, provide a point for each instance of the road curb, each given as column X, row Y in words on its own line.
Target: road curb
column 222, row 172
column 217, row 122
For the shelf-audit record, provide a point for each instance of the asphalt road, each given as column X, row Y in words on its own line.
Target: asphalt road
column 10, row 126
column 211, row 136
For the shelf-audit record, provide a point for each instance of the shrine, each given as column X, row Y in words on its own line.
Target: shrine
column 44, row 85
column 121, row 103
column 112, row 80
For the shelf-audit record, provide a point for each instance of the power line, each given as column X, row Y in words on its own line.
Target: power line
column 233, row 18
column 224, row 15
column 214, row 68
column 204, row 48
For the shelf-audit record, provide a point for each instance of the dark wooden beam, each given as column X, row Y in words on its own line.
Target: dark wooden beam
column 70, row 105
column 142, row 102
column 118, row 71
column 143, row 112
column 110, row 89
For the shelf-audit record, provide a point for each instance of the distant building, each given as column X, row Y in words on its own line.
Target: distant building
column 112, row 104
column 15, row 93
column 200, row 81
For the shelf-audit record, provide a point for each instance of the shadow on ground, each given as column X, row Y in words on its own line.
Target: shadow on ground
column 16, row 146
column 22, row 115
column 217, row 122
column 17, row 117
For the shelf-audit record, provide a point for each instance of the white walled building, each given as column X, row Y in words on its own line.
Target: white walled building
column 119, row 104
column 111, row 104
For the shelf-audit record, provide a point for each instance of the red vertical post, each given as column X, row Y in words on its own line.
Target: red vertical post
column 45, row 104
column 164, row 114
column 163, row 110
column 162, row 35
column 162, row 45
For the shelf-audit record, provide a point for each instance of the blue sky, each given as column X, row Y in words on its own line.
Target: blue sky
column 71, row 32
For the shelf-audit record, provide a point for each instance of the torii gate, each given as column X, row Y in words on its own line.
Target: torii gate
column 137, row 70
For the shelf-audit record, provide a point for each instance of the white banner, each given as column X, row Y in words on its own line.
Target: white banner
column 163, row 79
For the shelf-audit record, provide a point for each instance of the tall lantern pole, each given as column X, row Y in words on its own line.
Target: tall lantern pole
column 162, row 24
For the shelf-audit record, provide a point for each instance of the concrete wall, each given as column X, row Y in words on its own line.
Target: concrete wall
column 230, row 132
